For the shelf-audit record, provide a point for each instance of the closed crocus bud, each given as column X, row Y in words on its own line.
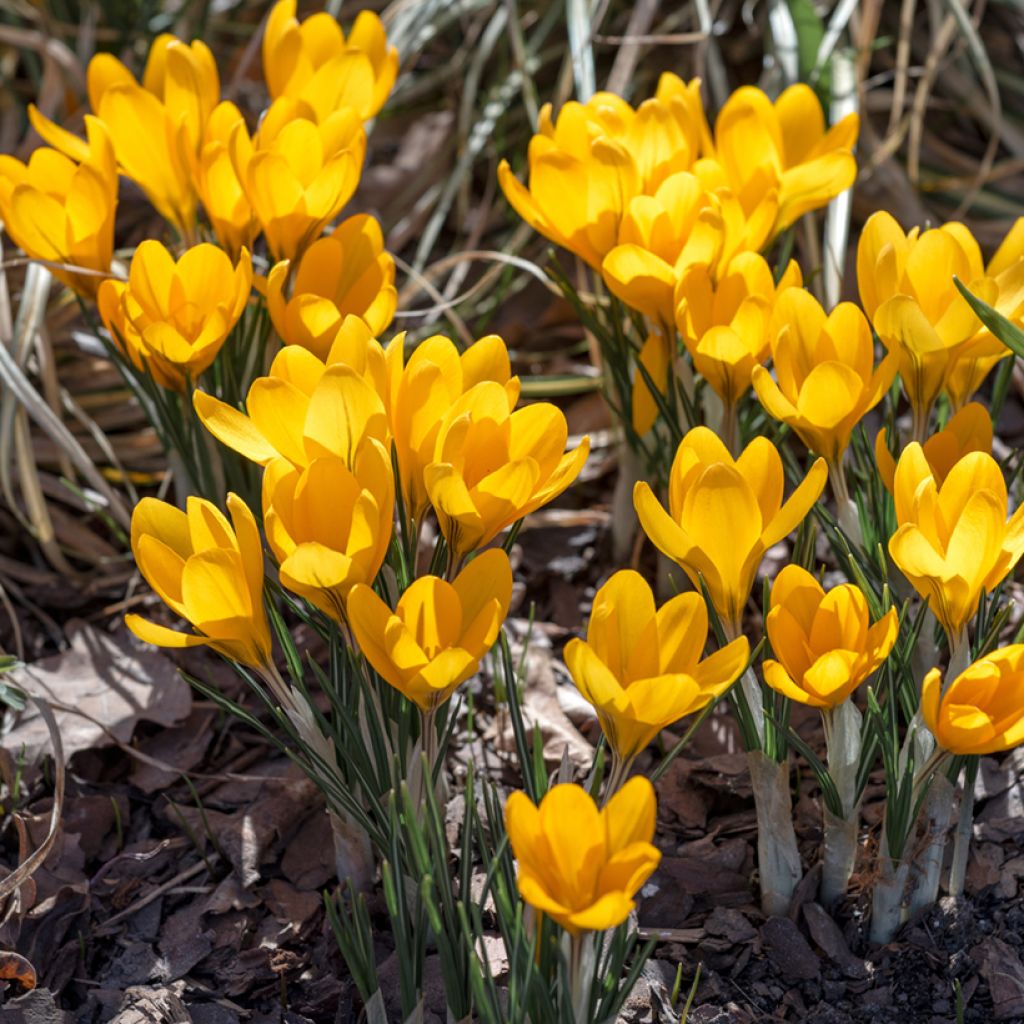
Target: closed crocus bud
column 60, row 208
column 825, row 376
column 724, row 514
column 436, row 637
column 305, row 408
column 298, row 172
column 784, row 146
column 954, row 540
column 314, row 61
column 171, row 318
column 641, row 667
column 208, row 571
column 344, row 273
column 982, row 710
column 968, row 430
column 493, row 466
column 578, row 865
column 824, row 643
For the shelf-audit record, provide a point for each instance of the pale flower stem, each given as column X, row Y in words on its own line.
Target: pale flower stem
column 617, row 775
column 927, row 867
column 959, row 657
column 778, row 859
column 750, row 686
column 964, row 830
column 731, row 428
column 846, row 508
column 843, row 740
column 580, row 970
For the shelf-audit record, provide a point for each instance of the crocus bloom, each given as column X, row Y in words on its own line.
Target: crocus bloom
column 783, row 146
column 641, row 667
column 824, row 643
column 345, row 272
column 313, row 60
column 825, row 378
column 724, row 514
column 436, row 637
column 954, row 540
column 492, row 466
column 329, row 523
column 171, row 318
column 968, row 430
column 61, row 211
column 982, row 711
column 582, row 866
column 206, row 570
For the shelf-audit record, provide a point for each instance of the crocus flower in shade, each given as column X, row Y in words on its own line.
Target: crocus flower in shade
column 578, row 865
column 421, row 391
column 968, row 430
column 171, row 318
column 824, row 643
column 641, row 667
column 314, row 61
column 954, row 540
column 982, row 710
column 329, row 522
column 61, row 211
column 783, row 146
column 297, row 172
column 436, row 637
column 206, row 570
column 345, row 272
column 724, row 514
column 493, row 466
column 825, row 379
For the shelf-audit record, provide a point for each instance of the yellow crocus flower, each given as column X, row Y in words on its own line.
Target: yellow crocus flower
column 824, row 643
column 172, row 318
column 954, row 540
column 206, row 570
column 345, row 272
column 982, row 710
column 436, row 637
column 724, row 514
column 578, row 865
column 641, row 667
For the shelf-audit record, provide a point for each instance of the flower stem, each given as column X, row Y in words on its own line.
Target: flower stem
column 964, row 829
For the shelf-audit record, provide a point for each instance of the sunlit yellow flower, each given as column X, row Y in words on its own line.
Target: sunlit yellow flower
column 206, row 570
column 345, row 272
column 982, row 711
column 582, row 866
column 724, row 514
column 968, row 430
column 436, row 637
column 825, row 379
column 824, row 643
column 641, row 667
column 313, row 60
column 329, row 522
column 783, row 146
column 954, row 540
column 297, row 172
column 226, row 204
column 171, row 318
column 61, row 211
column 493, row 466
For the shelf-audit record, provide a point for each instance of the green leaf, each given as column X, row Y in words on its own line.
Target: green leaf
column 1006, row 331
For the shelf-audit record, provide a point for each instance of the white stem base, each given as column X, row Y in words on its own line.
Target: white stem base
column 778, row 858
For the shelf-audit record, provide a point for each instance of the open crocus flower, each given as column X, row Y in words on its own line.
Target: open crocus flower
column 61, row 211
column 171, row 318
column 582, row 866
column 783, row 147
column 208, row 571
column 436, row 637
column 968, row 430
column 493, row 466
column 982, row 710
column 824, row 643
column 724, row 514
column 329, row 522
column 314, row 61
column 641, row 667
column 825, row 378
column 345, row 272
column 298, row 172
column 954, row 541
